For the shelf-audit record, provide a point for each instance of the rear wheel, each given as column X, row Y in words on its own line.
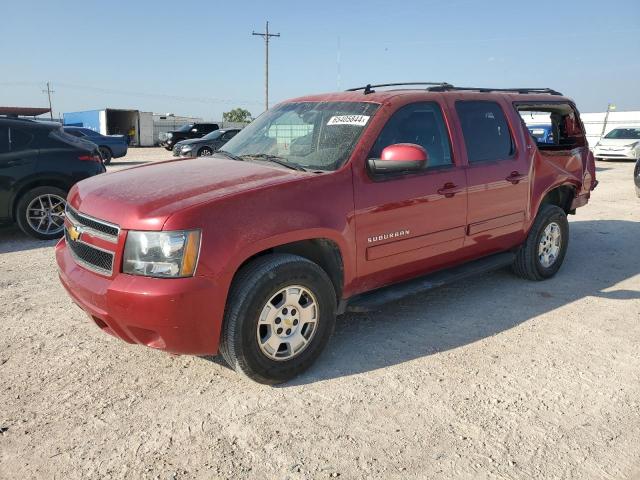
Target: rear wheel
column 543, row 252
column 279, row 317
column 106, row 155
column 205, row 152
column 40, row 212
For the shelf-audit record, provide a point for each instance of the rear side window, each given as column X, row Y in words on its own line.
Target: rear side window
column 19, row 139
column 486, row 132
column 75, row 133
column 419, row 123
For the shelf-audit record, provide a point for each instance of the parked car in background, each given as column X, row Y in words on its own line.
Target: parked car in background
column 205, row 146
column 110, row 146
column 191, row 130
column 636, row 177
column 255, row 257
column 619, row 143
column 542, row 133
column 39, row 163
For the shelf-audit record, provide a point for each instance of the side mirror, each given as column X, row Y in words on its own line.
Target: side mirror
column 399, row 158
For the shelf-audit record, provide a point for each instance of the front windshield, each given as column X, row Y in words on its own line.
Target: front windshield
column 213, row 135
column 312, row 135
column 185, row 128
column 624, row 133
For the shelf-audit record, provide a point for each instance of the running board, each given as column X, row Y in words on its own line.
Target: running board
column 371, row 301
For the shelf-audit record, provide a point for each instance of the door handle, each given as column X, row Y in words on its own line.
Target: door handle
column 449, row 189
column 515, row 177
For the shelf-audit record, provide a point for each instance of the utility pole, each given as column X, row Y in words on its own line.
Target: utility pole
column 266, row 35
column 48, row 91
column 610, row 108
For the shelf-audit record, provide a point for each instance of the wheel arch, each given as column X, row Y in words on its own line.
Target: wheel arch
column 324, row 252
column 560, row 195
column 35, row 183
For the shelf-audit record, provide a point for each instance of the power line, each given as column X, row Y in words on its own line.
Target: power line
column 266, row 35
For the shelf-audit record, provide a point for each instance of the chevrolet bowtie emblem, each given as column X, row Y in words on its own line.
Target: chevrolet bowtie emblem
column 74, row 233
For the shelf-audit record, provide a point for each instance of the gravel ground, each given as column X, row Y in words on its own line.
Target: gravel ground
column 490, row 378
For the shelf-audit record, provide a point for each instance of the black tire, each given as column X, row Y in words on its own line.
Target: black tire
column 205, row 152
column 21, row 211
column 527, row 263
column 169, row 149
column 106, row 154
column 252, row 288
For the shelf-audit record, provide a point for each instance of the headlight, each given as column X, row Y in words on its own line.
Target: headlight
column 632, row 146
column 162, row 254
column 186, row 147
column 596, row 145
column 169, row 135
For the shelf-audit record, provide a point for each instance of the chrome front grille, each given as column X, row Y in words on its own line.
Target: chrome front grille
column 99, row 228
column 90, row 256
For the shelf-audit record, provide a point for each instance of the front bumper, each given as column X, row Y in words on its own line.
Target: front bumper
column 616, row 154
column 175, row 315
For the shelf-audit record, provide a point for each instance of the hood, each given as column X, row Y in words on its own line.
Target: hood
column 616, row 142
column 144, row 197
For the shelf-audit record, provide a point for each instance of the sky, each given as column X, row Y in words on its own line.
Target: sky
column 198, row 58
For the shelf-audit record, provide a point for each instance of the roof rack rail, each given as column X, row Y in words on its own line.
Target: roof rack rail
column 370, row 88
column 446, row 87
column 523, row 90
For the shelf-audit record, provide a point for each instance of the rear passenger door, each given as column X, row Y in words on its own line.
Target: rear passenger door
column 498, row 174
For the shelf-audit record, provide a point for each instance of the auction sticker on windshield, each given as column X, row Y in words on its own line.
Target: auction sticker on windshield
column 360, row 120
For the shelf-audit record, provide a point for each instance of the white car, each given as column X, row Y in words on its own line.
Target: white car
column 619, row 143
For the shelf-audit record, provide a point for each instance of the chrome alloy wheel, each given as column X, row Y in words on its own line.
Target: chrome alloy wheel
column 45, row 214
column 287, row 323
column 550, row 245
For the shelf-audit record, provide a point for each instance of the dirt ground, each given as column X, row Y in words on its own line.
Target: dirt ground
column 491, row 378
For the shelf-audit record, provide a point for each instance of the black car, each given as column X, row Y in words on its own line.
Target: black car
column 191, row 130
column 202, row 147
column 39, row 163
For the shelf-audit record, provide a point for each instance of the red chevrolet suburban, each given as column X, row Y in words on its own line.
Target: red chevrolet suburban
column 324, row 204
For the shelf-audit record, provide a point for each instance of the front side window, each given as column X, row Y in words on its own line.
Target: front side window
column 421, row 124
column 4, row 139
column 314, row 135
column 486, row 132
column 75, row 133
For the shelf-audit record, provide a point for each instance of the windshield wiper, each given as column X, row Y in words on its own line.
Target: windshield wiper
column 229, row 155
column 275, row 159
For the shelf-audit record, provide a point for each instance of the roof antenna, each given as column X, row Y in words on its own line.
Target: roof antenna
column 368, row 90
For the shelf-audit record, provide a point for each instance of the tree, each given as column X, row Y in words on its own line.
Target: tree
column 237, row 115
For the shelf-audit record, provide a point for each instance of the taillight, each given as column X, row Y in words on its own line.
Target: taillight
column 91, row 158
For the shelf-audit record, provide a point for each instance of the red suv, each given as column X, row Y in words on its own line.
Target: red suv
column 322, row 205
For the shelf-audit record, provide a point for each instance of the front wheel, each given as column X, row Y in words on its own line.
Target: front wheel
column 542, row 254
column 280, row 314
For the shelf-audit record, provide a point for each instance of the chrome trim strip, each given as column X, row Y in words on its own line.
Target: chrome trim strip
column 75, row 217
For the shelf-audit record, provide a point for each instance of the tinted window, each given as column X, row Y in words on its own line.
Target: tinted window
column 485, row 129
column 228, row 135
column 19, row 139
column 75, row 133
column 419, row 123
column 4, row 139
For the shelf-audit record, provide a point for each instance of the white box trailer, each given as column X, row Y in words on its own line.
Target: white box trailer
column 114, row 121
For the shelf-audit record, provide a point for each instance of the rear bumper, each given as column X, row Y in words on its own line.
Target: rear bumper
column 118, row 150
column 181, row 316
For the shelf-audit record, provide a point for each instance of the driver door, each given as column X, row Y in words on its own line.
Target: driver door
column 416, row 222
